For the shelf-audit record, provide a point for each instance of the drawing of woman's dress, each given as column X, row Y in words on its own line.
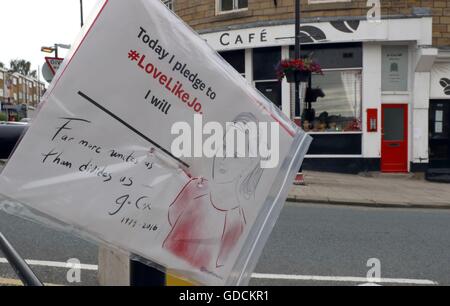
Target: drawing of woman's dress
column 202, row 233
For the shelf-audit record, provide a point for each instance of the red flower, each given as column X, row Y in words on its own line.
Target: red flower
column 305, row 64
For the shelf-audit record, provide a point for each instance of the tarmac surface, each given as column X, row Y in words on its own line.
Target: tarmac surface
column 310, row 245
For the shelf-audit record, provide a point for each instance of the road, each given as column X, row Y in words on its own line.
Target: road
column 310, row 245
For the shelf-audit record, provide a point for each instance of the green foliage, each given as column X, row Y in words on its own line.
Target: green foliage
column 20, row 66
column 3, row 117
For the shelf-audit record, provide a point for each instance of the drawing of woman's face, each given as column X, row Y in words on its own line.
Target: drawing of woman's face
column 228, row 169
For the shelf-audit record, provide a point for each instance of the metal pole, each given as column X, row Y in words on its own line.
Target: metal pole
column 297, row 104
column 81, row 11
column 20, row 266
column 297, row 56
column 56, row 50
column 39, row 86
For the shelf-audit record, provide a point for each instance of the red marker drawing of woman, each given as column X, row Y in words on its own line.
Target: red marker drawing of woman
column 208, row 217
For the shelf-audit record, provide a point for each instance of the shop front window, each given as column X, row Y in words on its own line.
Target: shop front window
column 265, row 61
column 339, row 110
column 236, row 59
column 270, row 89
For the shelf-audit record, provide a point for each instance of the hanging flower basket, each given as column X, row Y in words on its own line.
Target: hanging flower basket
column 297, row 70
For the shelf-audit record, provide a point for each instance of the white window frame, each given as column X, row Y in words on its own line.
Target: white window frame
column 234, row 10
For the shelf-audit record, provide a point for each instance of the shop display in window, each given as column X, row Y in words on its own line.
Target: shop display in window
column 333, row 102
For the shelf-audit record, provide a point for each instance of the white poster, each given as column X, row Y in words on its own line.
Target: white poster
column 395, row 68
column 100, row 155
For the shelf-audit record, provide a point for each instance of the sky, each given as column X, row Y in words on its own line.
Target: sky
column 27, row 25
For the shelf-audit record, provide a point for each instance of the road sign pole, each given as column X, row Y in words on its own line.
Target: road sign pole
column 24, row 272
column 299, row 180
column 81, row 13
column 297, row 55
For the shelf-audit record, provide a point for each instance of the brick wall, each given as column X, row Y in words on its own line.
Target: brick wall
column 201, row 14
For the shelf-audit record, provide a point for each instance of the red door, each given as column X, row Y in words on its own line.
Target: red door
column 394, row 139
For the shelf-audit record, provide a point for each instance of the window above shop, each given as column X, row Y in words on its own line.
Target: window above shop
column 230, row 6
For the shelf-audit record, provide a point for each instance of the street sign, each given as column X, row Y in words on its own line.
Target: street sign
column 47, row 73
column 54, row 63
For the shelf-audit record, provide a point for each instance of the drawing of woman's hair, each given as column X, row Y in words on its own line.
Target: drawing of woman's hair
column 247, row 187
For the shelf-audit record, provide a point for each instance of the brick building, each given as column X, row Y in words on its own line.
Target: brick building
column 386, row 79
column 19, row 94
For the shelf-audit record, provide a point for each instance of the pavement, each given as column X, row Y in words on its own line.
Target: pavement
column 371, row 189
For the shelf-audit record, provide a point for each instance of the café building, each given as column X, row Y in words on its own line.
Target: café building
column 385, row 83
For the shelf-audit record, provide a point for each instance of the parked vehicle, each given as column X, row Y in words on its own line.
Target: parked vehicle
column 10, row 133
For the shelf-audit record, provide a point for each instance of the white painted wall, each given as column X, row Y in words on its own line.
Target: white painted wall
column 420, row 117
column 371, row 97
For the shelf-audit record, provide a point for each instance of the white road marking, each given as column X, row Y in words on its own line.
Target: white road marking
column 18, row 282
column 348, row 279
column 315, row 278
column 54, row 264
